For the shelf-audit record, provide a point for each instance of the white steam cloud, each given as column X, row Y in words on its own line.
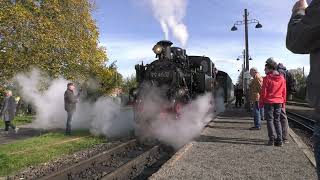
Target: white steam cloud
column 165, row 126
column 170, row 15
column 104, row 116
column 107, row 117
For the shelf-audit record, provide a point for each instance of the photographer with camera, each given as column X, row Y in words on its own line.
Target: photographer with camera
column 70, row 100
column 303, row 37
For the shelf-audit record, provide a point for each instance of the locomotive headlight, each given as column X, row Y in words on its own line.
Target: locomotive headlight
column 181, row 92
column 157, row 49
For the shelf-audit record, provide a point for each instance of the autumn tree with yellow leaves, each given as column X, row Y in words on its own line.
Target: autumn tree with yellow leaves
column 58, row 37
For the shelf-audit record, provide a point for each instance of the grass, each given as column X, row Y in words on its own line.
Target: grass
column 21, row 154
column 19, row 120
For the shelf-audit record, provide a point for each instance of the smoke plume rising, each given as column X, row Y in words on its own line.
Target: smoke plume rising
column 104, row 116
column 170, row 15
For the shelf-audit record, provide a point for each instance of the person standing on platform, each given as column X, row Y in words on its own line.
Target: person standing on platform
column 8, row 111
column 303, row 37
column 254, row 94
column 272, row 97
column 70, row 101
column 283, row 116
column 238, row 93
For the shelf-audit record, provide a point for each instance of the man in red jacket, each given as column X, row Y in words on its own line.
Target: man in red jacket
column 272, row 98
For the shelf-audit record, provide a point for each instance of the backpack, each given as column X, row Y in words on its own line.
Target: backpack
column 291, row 82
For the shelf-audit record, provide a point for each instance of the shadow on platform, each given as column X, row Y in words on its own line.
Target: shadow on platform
column 224, row 127
column 233, row 122
column 215, row 139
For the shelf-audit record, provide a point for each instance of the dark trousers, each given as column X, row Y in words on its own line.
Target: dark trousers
column 272, row 115
column 69, row 119
column 284, row 124
column 316, row 144
column 262, row 113
column 8, row 124
column 238, row 101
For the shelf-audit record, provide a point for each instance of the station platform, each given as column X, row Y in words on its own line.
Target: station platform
column 24, row 133
column 227, row 149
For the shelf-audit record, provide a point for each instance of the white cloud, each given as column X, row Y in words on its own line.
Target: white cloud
column 273, row 14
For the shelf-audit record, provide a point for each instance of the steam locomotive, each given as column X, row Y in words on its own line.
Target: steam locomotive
column 177, row 78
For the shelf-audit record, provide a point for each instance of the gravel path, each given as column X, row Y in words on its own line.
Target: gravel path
column 23, row 133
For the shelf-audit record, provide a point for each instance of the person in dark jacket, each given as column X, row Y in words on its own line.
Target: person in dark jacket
column 8, row 111
column 283, row 116
column 273, row 97
column 238, row 93
column 70, row 100
column 303, row 37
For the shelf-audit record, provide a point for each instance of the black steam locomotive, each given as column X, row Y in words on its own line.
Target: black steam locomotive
column 177, row 77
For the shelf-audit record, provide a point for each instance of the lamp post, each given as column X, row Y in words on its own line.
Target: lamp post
column 243, row 66
column 246, row 22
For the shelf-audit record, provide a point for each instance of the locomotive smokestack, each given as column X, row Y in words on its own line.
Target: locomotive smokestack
column 162, row 49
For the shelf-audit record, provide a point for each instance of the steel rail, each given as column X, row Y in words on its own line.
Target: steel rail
column 104, row 156
column 136, row 166
column 302, row 117
column 304, row 121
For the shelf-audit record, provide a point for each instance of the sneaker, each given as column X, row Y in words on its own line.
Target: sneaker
column 285, row 141
column 255, row 128
column 278, row 143
column 270, row 143
column 16, row 130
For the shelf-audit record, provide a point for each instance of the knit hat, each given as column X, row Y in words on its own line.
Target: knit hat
column 271, row 63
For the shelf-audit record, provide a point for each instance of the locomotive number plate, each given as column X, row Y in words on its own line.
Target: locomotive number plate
column 160, row 74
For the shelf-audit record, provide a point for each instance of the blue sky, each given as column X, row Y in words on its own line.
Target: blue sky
column 129, row 29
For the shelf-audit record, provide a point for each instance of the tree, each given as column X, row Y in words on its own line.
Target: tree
column 301, row 84
column 129, row 83
column 59, row 37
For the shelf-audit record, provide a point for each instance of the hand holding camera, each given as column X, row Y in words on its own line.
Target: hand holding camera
column 300, row 5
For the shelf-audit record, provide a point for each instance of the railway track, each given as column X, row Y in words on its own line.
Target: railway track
column 293, row 103
column 125, row 161
column 301, row 120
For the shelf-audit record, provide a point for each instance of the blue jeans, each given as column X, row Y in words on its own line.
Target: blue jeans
column 69, row 119
column 256, row 115
column 316, row 143
column 272, row 115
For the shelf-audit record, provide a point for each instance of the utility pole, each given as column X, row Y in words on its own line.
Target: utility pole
column 246, row 38
column 243, row 69
column 246, row 83
column 246, row 22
